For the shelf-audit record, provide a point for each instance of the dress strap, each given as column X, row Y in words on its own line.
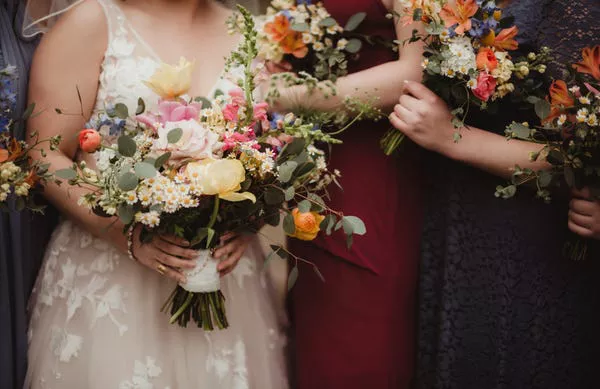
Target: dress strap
column 114, row 18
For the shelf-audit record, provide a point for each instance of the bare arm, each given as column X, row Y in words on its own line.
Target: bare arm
column 69, row 59
column 425, row 119
column 385, row 80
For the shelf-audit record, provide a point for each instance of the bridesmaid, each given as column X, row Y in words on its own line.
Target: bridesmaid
column 355, row 330
column 500, row 307
column 23, row 236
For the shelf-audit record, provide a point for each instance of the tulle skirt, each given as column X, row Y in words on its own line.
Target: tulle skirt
column 96, row 324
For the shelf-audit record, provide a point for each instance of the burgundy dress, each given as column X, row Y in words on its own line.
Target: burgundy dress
column 356, row 329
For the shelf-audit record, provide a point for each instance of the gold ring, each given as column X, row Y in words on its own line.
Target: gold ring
column 161, row 269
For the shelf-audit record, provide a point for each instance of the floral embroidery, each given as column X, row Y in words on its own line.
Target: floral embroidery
column 143, row 373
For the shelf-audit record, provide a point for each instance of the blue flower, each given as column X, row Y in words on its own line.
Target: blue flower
column 305, row 2
column 276, row 117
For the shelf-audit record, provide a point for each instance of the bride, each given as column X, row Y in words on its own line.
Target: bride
column 95, row 313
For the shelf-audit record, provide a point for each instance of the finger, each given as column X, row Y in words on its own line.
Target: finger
column 584, row 193
column 411, row 103
column 404, row 114
column 173, row 262
column 177, row 241
column 583, row 207
column 581, row 220
column 580, row 230
column 226, row 250
column 227, row 236
column 176, row 251
column 399, row 124
column 231, row 261
column 419, row 90
column 173, row 274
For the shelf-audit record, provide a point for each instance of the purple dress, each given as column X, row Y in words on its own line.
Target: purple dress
column 499, row 306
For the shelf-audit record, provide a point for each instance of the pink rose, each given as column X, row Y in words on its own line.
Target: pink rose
column 197, row 140
column 486, row 85
column 170, row 111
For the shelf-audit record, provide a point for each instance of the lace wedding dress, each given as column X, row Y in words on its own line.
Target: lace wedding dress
column 95, row 314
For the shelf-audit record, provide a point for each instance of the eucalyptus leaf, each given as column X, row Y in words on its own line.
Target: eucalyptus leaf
column 162, row 160
column 286, row 171
column 289, row 226
column 29, row 111
column 290, row 193
column 520, row 131
column 174, row 135
column 66, row 174
column 128, row 181
column 206, row 103
column 318, row 273
column 304, row 169
column 279, row 251
column 121, row 111
column 145, row 170
column 141, row 107
column 355, row 21
column 544, row 178
column 542, row 109
column 292, row 278
column 327, row 22
column 274, row 196
column 353, row 46
column 126, row 146
column 353, row 225
column 304, row 206
column 300, row 27
column 294, row 148
column 125, row 213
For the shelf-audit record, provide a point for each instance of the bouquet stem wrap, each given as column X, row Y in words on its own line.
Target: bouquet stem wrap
column 200, row 298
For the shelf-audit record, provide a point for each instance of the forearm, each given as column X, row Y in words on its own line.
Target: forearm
column 491, row 152
column 65, row 197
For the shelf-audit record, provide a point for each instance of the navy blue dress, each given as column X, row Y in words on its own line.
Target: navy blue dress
column 499, row 306
column 23, row 236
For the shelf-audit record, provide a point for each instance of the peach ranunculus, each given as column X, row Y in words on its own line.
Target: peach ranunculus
column 486, row 85
column 505, row 40
column 459, row 13
column 486, row 59
column 307, row 224
column 172, row 81
column 90, row 140
column 197, row 140
column 560, row 99
column 590, row 63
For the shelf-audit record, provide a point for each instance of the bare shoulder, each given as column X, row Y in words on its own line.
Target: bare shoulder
column 82, row 29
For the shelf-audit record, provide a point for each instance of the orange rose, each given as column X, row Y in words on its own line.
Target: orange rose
column 486, row 59
column 560, row 99
column 591, row 62
column 89, row 140
column 307, row 224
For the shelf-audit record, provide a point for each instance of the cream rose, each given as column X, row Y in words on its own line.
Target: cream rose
column 197, row 140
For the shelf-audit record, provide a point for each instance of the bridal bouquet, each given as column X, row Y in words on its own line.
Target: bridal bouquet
column 467, row 60
column 19, row 176
column 199, row 169
column 570, row 134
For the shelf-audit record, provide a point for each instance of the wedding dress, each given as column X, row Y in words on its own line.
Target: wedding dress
column 95, row 314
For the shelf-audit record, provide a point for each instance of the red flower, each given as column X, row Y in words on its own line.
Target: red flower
column 90, row 140
column 486, row 85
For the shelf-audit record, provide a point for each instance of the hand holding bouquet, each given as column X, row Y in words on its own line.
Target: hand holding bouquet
column 19, row 176
column 200, row 170
column 467, row 60
column 570, row 135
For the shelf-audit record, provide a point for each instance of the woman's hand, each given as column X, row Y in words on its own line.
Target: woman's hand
column 584, row 214
column 232, row 248
column 166, row 255
column 423, row 117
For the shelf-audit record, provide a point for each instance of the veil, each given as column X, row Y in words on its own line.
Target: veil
column 40, row 15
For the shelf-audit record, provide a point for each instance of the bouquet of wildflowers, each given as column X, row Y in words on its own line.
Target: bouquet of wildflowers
column 302, row 37
column 198, row 169
column 19, row 176
column 467, row 60
column 570, row 135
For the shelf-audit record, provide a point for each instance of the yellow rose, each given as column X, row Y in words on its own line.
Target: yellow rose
column 307, row 224
column 221, row 177
column 170, row 81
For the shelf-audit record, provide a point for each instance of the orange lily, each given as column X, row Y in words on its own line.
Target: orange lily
column 4, row 155
column 14, row 150
column 459, row 13
column 505, row 39
column 591, row 62
column 32, row 178
column 279, row 28
column 560, row 99
column 292, row 44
